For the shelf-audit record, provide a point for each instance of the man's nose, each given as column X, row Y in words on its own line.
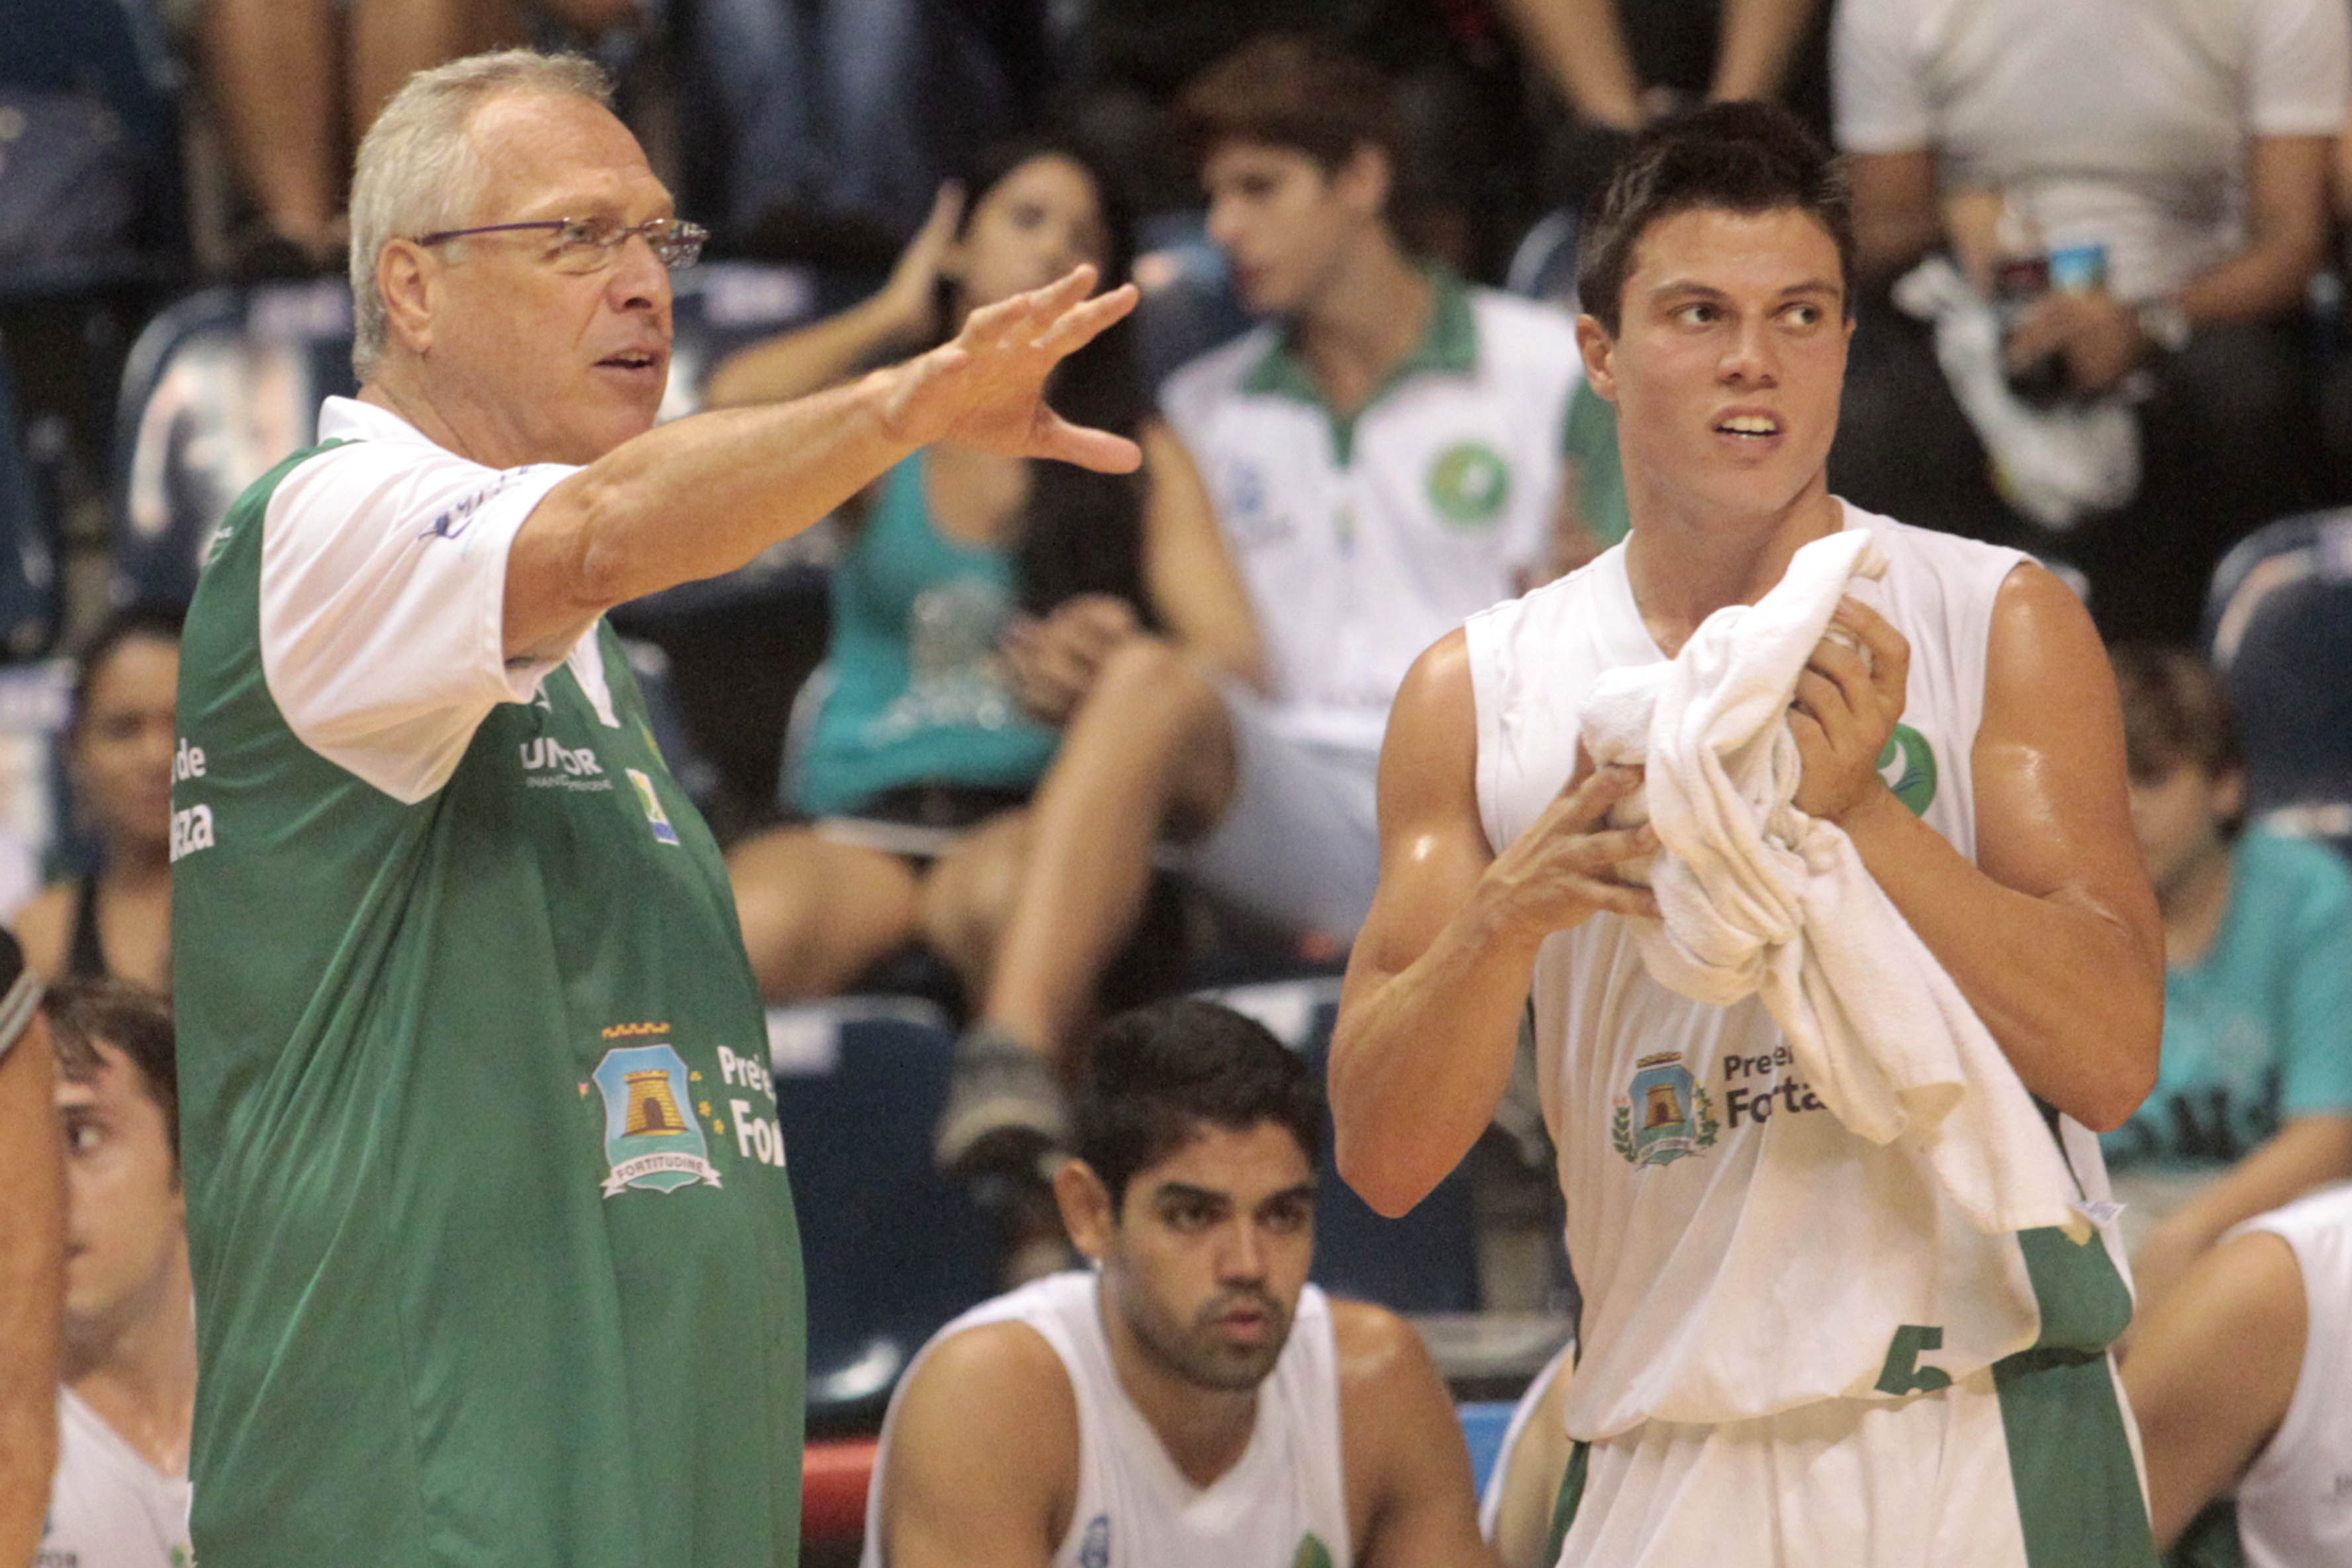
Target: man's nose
column 639, row 280
column 1751, row 358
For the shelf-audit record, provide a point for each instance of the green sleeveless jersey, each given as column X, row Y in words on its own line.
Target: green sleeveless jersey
column 495, row 1255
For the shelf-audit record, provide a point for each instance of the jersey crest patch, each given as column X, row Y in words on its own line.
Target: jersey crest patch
column 1468, row 484
column 1664, row 1114
column 651, row 1140
column 664, row 831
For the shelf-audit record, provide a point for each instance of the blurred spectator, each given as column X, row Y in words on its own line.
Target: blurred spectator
column 2237, row 1379
column 1461, row 181
column 1619, row 64
column 1384, row 454
column 2252, row 1103
column 296, row 83
column 842, row 116
column 115, row 919
column 31, row 1259
column 1091, row 1416
column 127, row 1400
column 926, row 746
column 2144, row 187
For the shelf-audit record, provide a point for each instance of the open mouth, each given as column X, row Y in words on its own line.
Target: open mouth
column 1750, row 426
column 629, row 359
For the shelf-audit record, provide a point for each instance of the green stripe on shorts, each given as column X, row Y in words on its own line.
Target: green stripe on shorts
column 1563, row 1506
column 2069, row 1460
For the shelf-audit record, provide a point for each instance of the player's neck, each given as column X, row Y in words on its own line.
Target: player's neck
column 1363, row 321
column 137, row 1374
column 1203, row 1431
column 1686, row 562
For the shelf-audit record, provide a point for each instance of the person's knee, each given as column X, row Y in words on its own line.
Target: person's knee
column 1148, row 682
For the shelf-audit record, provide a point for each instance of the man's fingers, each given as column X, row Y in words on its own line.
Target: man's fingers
column 1082, row 323
column 1086, row 446
column 1890, row 650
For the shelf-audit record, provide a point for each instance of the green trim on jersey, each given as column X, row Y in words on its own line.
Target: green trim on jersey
column 1448, row 346
column 2070, row 1462
column 2211, row 1540
column 486, row 1203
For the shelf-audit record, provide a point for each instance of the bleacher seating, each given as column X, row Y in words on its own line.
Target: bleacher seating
column 2279, row 630
column 28, row 608
column 892, row 1249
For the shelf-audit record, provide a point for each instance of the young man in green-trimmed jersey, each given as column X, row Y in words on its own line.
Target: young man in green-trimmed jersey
column 486, row 1200
column 1793, row 1347
column 1384, row 452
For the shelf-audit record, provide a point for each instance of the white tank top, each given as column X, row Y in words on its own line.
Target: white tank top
column 2295, row 1505
column 109, row 1508
column 1134, row 1508
column 1738, row 1250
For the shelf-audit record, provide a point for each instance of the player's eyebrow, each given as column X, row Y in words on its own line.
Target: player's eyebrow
column 1692, row 288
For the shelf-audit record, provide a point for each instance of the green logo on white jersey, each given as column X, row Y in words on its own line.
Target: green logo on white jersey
column 1908, row 765
column 1468, row 484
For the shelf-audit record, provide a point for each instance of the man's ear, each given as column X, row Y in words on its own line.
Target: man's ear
column 1085, row 1205
column 1600, row 350
column 1365, row 179
column 2229, row 793
column 409, row 284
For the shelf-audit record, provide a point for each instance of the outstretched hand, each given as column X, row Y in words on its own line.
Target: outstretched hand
column 985, row 388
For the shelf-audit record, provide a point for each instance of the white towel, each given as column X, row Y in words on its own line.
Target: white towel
column 1757, row 896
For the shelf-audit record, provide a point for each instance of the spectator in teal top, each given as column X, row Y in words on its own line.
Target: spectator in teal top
column 974, row 601
column 2253, row 1104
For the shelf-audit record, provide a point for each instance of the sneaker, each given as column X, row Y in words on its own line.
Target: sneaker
column 1004, row 1110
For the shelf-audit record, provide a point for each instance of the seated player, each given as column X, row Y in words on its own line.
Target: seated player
column 1191, row 1400
column 2253, row 1104
column 2239, row 1380
column 1384, row 454
column 121, row 1500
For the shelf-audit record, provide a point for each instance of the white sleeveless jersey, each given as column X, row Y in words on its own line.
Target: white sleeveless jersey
column 109, row 1508
column 1740, row 1251
column 1283, row 1505
column 2295, row 1505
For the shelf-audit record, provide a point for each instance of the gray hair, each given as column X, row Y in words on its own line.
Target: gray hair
column 418, row 171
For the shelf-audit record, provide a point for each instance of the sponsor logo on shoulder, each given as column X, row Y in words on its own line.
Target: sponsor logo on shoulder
column 1664, row 1114
column 549, row 763
column 460, row 515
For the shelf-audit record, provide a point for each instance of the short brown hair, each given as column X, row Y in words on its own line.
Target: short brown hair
column 2175, row 711
column 134, row 1021
column 1742, row 157
column 1295, row 90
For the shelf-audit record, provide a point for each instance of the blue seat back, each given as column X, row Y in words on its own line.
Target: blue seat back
column 27, row 542
column 2279, row 627
column 893, row 1251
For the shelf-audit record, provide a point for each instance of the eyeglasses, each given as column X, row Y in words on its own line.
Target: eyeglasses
column 592, row 244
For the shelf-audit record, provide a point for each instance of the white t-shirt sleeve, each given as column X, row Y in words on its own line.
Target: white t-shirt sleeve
column 1880, row 97
column 382, row 607
column 2300, row 67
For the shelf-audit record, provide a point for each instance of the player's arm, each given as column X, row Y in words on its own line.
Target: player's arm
column 1407, row 1467
column 32, row 1264
column 2211, row 1372
column 2053, row 935
column 1429, row 1019
column 982, row 1466
column 702, row 496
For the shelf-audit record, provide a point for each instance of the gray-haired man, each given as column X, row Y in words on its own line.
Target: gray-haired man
column 485, row 1198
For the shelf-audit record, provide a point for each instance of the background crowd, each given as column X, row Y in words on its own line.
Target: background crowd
column 1013, row 744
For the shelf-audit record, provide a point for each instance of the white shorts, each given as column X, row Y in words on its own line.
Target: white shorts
column 2023, row 1465
column 1299, row 844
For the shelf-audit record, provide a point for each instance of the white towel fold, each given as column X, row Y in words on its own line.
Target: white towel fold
column 1758, row 896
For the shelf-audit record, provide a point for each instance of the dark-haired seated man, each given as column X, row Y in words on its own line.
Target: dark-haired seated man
column 128, row 1387
column 1795, row 1347
column 1192, row 1399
